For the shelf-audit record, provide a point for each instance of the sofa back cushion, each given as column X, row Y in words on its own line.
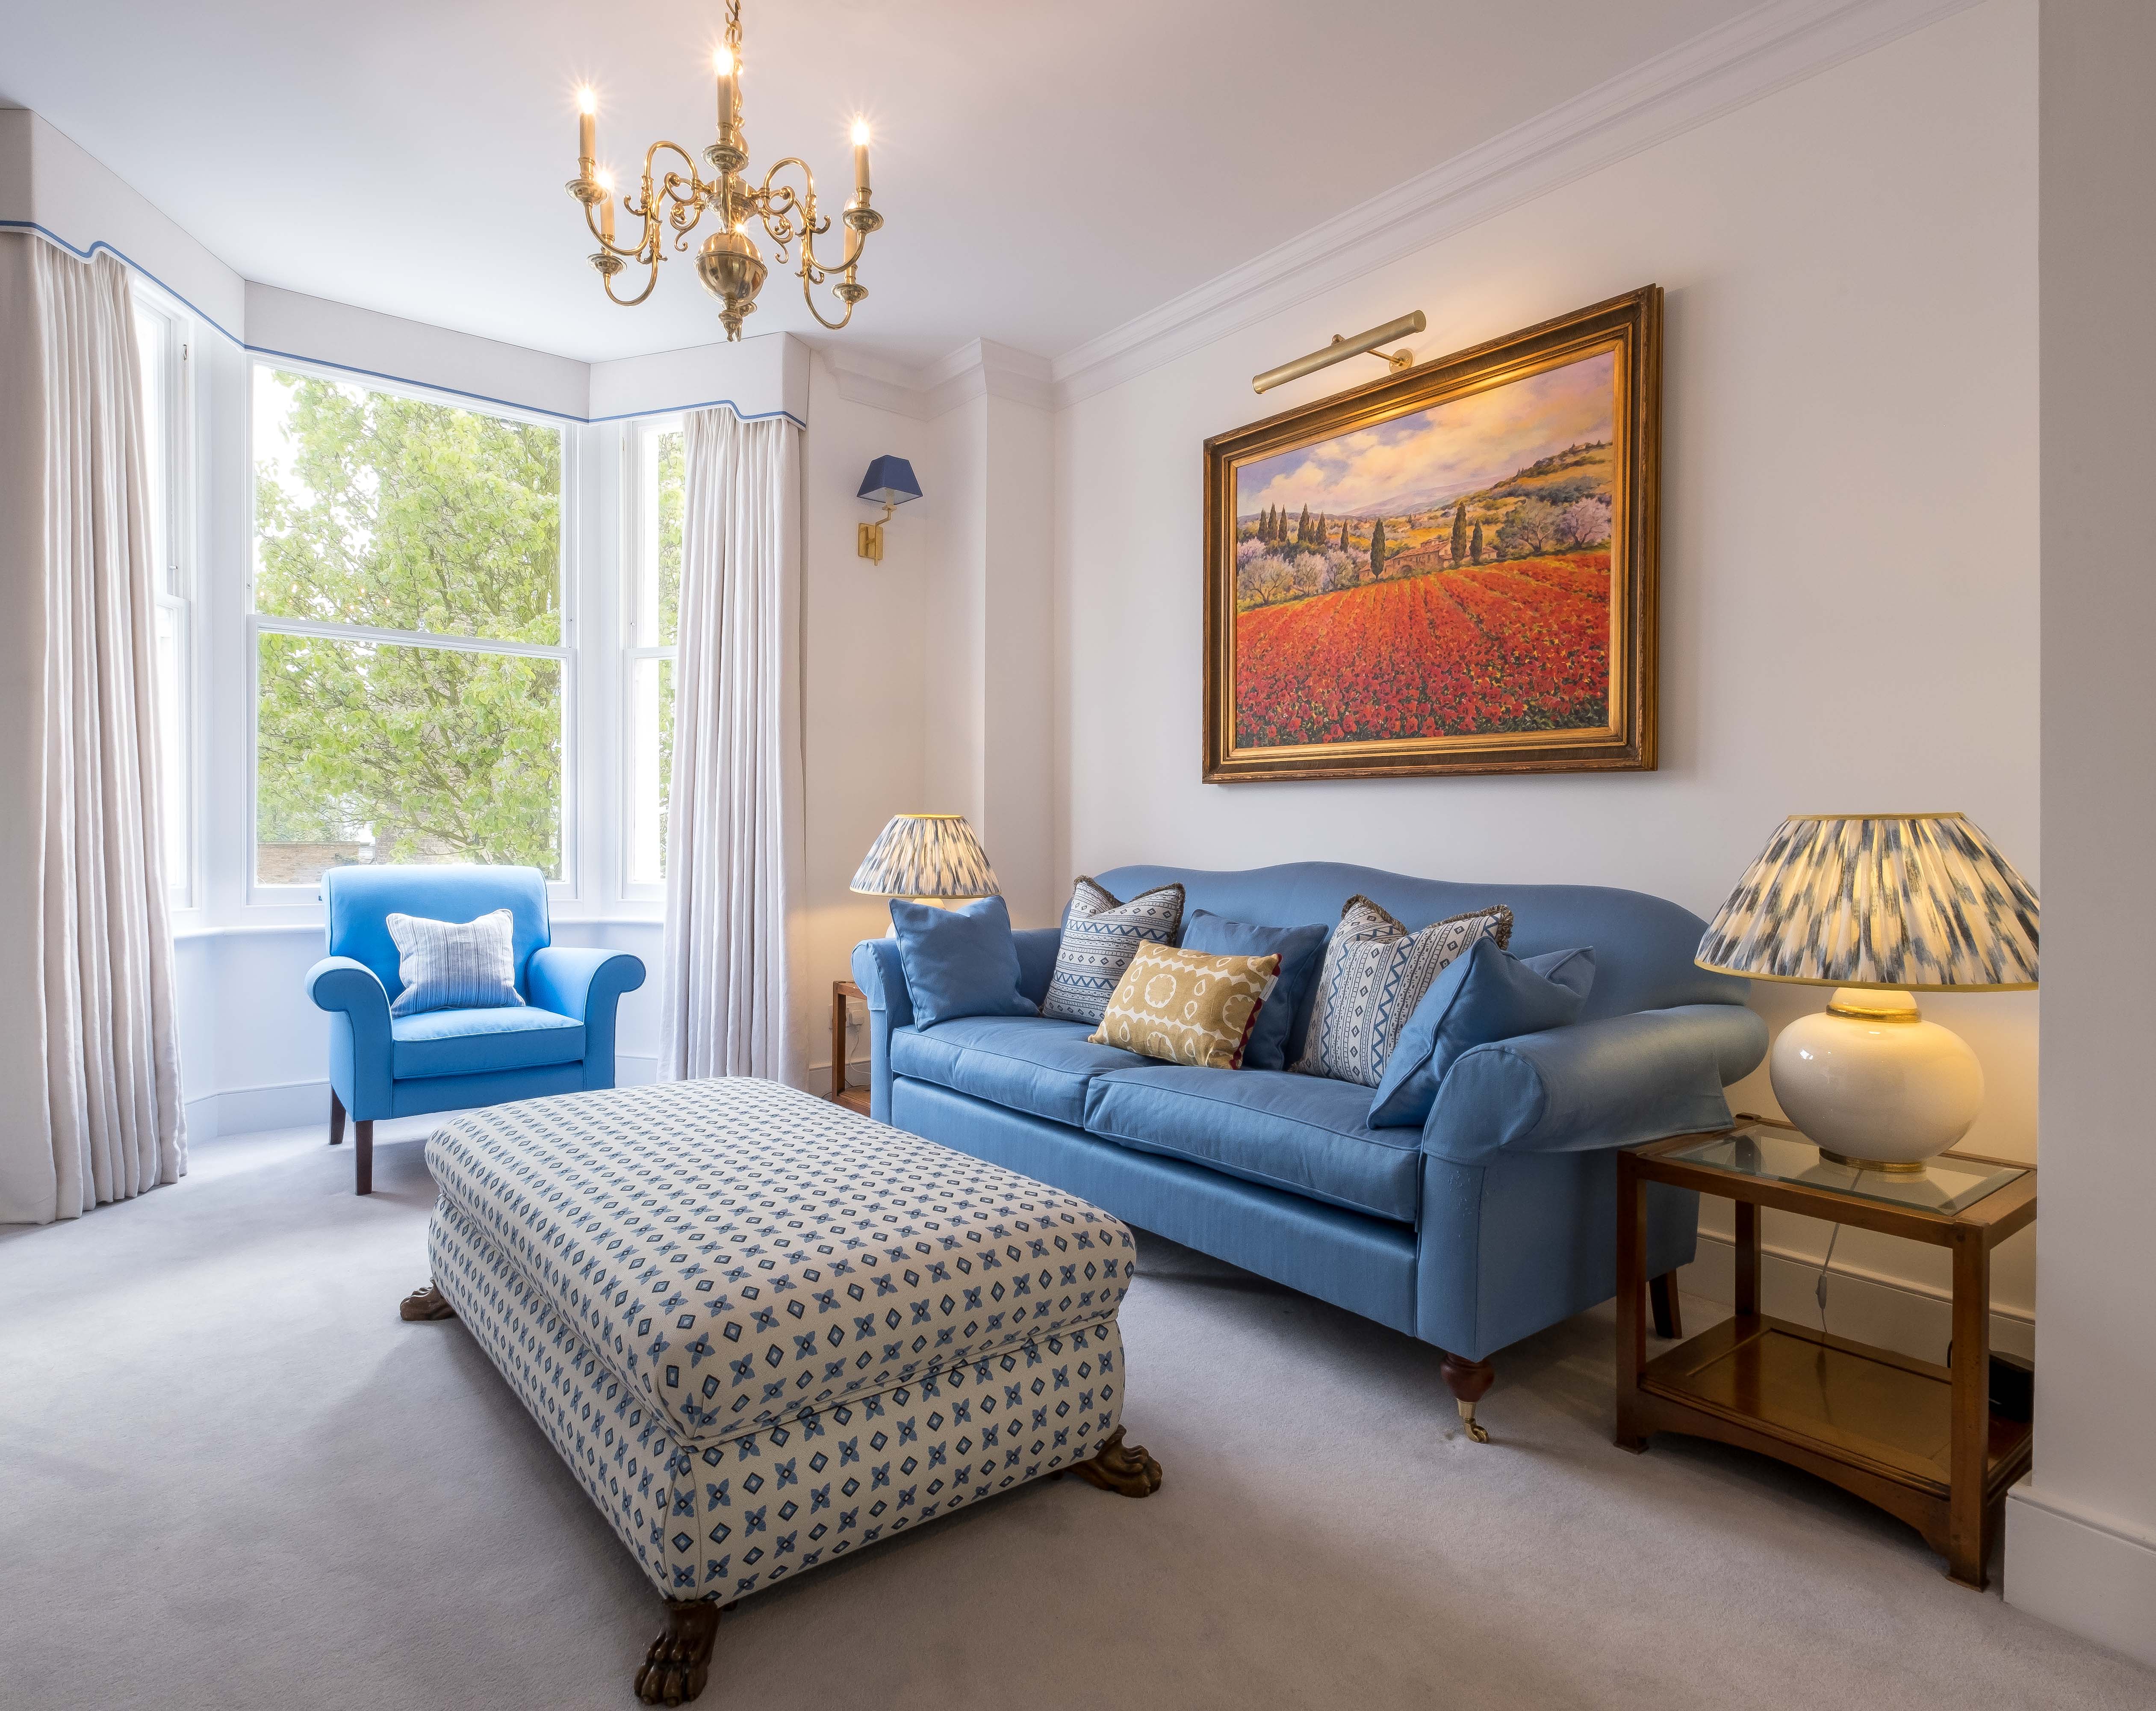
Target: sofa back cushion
column 356, row 902
column 1643, row 945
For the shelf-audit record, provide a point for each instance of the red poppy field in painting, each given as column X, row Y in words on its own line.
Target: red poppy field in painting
column 1522, row 645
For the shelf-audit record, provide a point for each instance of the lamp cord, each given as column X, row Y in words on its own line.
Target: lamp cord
column 1820, row 1292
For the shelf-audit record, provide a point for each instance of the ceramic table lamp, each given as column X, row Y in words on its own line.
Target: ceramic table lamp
column 1878, row 906
column 928, row 858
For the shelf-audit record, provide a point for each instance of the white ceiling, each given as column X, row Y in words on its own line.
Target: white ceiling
column 1047, row 172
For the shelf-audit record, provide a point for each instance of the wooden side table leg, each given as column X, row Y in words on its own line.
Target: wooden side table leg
column 1748, row 1260
column 1972, row 1409
column 838, row 1038
column 1631, row 1302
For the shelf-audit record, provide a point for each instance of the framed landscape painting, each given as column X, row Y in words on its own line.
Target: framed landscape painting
column 1450, row 570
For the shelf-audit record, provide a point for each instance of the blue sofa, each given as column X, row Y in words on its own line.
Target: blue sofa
column 1496, row 1219
column 560, row 1040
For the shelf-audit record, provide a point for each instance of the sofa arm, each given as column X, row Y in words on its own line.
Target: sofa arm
column 358, row 1005
column 586, row 985
column 882, row 982
column 1615, row 1082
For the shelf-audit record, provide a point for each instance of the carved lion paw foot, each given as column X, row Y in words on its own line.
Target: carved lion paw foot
column 680, row 1661
column 1119, row 1466
column 428, row 1304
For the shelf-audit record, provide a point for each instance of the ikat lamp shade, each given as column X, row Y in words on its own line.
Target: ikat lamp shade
column 1903, row 902
column 1878, row 906
column 926, row 855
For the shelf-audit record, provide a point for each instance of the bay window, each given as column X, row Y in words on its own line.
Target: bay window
column 411, row 653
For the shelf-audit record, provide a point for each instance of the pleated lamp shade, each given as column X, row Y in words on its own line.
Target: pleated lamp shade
column 1904, row 902
column 926, row 855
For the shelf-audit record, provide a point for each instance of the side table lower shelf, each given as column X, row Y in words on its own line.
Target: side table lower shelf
column 1877, row 1424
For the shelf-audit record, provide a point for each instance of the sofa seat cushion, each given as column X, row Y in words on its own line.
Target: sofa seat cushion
column 1310, row 1135
column 1028, row 1063
column 462, row 1042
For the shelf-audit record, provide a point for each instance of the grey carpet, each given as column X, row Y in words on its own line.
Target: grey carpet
column 233, row 1478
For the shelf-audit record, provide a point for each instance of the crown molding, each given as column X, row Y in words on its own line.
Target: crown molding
column 1776, row 44
column 980, row 368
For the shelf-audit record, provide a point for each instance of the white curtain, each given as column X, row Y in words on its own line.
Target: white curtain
column 88, row 1049
column 734, row 815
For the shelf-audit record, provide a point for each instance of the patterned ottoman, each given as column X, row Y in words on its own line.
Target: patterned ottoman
column 765, row 1331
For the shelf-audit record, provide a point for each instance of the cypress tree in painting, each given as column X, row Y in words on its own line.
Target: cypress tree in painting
column 1303, row 535
column 1475, row 548
column 1459, row 532
column 1377, row 550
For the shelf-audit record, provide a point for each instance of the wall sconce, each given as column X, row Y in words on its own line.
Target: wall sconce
column 890, row 480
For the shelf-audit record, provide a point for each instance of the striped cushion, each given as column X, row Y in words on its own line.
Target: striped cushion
column 453, row 964
column 1375, row 973
column 1099, row 938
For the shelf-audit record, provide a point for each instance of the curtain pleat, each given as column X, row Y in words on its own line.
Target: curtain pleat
column 734, row 818
column 94, row 1033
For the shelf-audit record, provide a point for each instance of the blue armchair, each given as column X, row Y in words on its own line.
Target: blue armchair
column 559, row 1040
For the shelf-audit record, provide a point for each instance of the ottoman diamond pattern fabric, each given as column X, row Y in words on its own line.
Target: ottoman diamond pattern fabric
column 763, row 1330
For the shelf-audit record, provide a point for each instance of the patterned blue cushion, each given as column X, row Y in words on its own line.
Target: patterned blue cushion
column 454, row 964
column 1375, row 973
column 1099, row 938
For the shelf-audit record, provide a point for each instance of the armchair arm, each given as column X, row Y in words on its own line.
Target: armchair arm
column 358, row 1005
column 585, row 985
column 1615, row 1082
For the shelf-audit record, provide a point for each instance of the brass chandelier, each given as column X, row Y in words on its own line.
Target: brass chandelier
column 728, row 264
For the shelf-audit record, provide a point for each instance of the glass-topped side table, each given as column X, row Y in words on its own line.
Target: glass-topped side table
column 1916, row 1439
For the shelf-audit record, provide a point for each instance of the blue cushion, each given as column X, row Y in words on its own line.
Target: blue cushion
column 959, row 961
column 1029, row 1063
column 1574, row 970
column 1285, row 1013
column 1486, row 994
column 1306, row 1134
column 468, row 1042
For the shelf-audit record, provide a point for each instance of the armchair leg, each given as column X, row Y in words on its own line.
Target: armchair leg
column 336, row 1119
column 362, row 1133
column 1468, row 1380
column 1668, row 1317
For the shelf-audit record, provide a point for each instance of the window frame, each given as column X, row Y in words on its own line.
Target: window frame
column 175, row 583
column 639, row 513
column 567, row 652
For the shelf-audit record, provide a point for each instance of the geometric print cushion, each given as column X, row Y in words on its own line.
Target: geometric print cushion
column 1099, row 937
column 1375, row 973
column 453, row 964
column 1189, row 1008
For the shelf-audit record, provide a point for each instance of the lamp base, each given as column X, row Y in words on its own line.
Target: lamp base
column 1874, row 1084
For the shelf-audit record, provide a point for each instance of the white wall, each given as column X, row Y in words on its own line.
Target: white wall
column 1849, row 540
column 2081, row 1530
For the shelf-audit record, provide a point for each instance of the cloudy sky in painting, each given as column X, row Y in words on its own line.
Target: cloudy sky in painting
column 1437, row 455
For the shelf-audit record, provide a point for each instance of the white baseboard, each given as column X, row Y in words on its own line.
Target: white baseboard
column 2092, row 1574
column 241, row 1110
column 1894, row 1312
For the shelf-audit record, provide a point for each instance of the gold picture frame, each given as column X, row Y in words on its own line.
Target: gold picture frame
column 1355, row 658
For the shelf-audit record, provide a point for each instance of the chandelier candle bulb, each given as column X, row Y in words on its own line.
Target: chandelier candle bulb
column 586, row 127
column 729, row 96
column 860, row 160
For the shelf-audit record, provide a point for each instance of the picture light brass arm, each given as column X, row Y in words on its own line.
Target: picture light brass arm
column 1341, row 349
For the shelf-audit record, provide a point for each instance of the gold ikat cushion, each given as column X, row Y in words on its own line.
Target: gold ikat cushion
column 1186, row 1007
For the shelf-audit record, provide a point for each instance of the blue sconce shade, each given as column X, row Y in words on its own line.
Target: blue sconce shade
column 890, row 480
